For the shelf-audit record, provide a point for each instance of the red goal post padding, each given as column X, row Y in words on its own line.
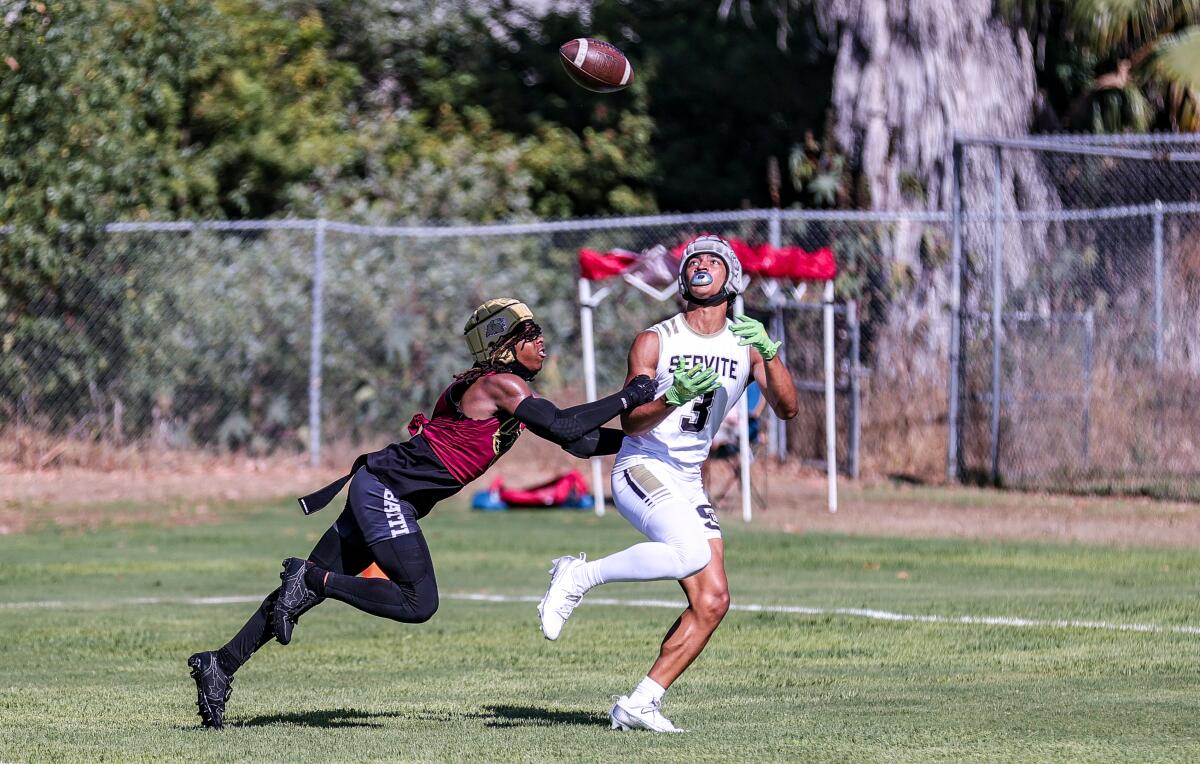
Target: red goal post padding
column 655, row 272
column 787, row 263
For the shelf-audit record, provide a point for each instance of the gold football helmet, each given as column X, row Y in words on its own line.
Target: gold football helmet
column 492, row 322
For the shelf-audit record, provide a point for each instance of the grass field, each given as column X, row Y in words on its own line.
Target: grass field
column 98, row 674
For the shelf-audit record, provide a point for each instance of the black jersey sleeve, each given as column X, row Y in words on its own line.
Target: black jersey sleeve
column 599, row 442
column 562, row 426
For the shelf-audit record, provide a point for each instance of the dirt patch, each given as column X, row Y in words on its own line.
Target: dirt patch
column 183, row 493
column 177, row 488
column 190, row 490
column 796, row 502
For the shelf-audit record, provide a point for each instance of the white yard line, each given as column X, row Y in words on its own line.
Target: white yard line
column 846, row 612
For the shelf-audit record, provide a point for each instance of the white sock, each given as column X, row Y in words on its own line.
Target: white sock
column 588, row 575
column 650, row 561
column 647, row 691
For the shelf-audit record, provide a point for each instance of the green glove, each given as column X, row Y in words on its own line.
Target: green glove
column 753, row 333
column 691, row 383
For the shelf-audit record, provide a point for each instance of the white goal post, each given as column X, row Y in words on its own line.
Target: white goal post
column 776, row 291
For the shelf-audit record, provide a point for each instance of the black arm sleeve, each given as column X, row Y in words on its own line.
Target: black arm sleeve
column 601, row 442
column 562, row 426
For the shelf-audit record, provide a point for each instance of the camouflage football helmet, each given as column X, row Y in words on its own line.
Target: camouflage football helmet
column 490, row 324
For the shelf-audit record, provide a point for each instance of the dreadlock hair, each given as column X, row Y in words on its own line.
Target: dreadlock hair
column 525, row 331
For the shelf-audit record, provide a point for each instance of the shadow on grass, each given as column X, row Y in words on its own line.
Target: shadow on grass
column 531, row 716
column 331, row 719
column 491, row 716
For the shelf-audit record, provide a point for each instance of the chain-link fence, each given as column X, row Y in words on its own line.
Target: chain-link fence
column 1042, row 332
column 1080, row 285
column 173, row 336
column 269, row 336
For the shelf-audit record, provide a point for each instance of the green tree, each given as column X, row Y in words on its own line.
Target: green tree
column 138, row 109
column 475, row 91
column 269, row 106
column 715, row 98
column 92, row 108
column 724, row 97
column 1114, row 65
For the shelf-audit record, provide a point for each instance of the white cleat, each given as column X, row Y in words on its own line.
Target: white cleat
column 626, row 715
column 562, row 597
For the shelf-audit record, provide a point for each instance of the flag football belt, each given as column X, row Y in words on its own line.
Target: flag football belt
column 318, row 500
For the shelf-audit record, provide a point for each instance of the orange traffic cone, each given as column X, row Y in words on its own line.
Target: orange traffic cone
column 373, row 571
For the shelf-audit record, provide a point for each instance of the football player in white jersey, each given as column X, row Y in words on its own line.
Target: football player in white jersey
column 702, row 361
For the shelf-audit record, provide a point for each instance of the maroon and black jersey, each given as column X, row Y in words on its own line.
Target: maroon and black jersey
column 446, row 451
column 467, row 447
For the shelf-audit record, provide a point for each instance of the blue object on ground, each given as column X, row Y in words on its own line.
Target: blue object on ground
column 488, row 502
column 584, row 501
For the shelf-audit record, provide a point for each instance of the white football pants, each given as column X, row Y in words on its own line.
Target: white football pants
column 669, row 506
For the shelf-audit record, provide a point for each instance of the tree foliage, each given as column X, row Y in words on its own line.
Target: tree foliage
column 142, row 110
column 136, row 109
column 725, row 98
column 1114, row 65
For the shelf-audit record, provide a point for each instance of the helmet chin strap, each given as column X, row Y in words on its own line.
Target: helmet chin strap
column 520, row 369
column 705, row 302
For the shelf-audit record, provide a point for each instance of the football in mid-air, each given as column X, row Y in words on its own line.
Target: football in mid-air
column 596, row 65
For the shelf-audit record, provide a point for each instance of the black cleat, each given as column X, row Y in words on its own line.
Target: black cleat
column 295, row 599
column 213, row 688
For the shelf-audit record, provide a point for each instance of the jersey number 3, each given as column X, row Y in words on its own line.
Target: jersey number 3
column 695, row 420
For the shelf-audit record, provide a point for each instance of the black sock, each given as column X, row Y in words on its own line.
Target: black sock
column 332, row 552
column 314, row 579
column 256, row 633
column 226, row 661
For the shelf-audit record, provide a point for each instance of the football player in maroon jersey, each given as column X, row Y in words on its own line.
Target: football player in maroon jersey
column 475, row 421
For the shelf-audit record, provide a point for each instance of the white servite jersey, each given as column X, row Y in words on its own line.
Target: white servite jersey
column 684, row 437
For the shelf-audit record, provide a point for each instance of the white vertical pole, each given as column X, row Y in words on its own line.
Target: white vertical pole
column 830, row 410
column 778, row 426
column 744, row 436
column 315, row 349
column 589, row 382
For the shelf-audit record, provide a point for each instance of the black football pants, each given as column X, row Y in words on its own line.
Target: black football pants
column 408, row 594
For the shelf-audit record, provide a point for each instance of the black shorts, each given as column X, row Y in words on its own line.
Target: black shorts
column 374, row 513
column 724, row 451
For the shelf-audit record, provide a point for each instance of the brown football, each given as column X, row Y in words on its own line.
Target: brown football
column 596, row 65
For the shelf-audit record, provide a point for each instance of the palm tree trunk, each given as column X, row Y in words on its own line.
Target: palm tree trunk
column 911, row 74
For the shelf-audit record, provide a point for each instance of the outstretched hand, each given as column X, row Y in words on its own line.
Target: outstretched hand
column 691, row 383
column 641, row 390
column 753, row 333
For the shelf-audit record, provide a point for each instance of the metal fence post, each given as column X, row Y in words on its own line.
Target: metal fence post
column 855, row 389
column 1158, row 286
column 315, row 359
column 997, row 317
column 1089, row 342
column 778, row 426
column 953, row 449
